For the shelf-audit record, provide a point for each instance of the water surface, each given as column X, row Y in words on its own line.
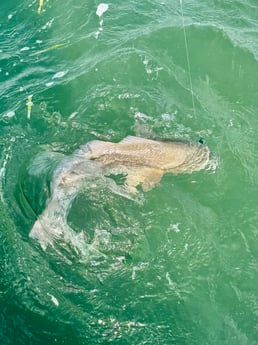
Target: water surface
column 181, row 266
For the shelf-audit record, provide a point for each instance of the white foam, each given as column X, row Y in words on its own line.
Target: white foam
column 168, row 117
column 70, row 117
column 59, row 74
column 48, row 24
column 24, row 49
column 141, row 116
column 97, row 34
column 213, row 163
column 101, row 322
column 49, row 84
column 10, row 114
column 174, row 227
column 102, row 8
column 6, row 158
column 10, row 16
column 54, row 299
column 127, row 95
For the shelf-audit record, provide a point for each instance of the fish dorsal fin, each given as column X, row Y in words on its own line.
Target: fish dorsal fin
column 98, row 145
column 130, row 139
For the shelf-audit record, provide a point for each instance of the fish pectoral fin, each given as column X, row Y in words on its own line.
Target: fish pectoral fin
column 133, row 179
column 152, row 177
column 147, row 177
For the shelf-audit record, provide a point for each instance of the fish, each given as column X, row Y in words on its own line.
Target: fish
column 142, row 161
column 145, row 161
column 75, row 174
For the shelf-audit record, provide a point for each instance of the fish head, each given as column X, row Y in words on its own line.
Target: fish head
column 185, row 157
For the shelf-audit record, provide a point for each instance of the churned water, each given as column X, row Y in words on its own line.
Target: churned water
column 179, row 267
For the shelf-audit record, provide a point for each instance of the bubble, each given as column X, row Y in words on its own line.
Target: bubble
column 43, row 106
column 46, row 115
column 63, row 124
column 56, row 117
column 76, row 125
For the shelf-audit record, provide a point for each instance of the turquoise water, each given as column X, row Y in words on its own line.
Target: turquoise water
column 181, row 266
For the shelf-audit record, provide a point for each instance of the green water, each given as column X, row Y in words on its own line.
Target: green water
column 178, row 268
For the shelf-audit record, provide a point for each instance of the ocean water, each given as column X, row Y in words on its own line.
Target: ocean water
column 181, row 266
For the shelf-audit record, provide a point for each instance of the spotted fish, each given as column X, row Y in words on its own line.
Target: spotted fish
column 142, row 161
column 145, row 161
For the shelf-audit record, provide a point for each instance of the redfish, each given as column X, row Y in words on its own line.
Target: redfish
column 145, row 161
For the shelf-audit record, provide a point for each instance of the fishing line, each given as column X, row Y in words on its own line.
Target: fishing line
column 187, row 55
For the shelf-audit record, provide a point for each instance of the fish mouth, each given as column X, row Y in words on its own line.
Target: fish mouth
column 196, row 159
